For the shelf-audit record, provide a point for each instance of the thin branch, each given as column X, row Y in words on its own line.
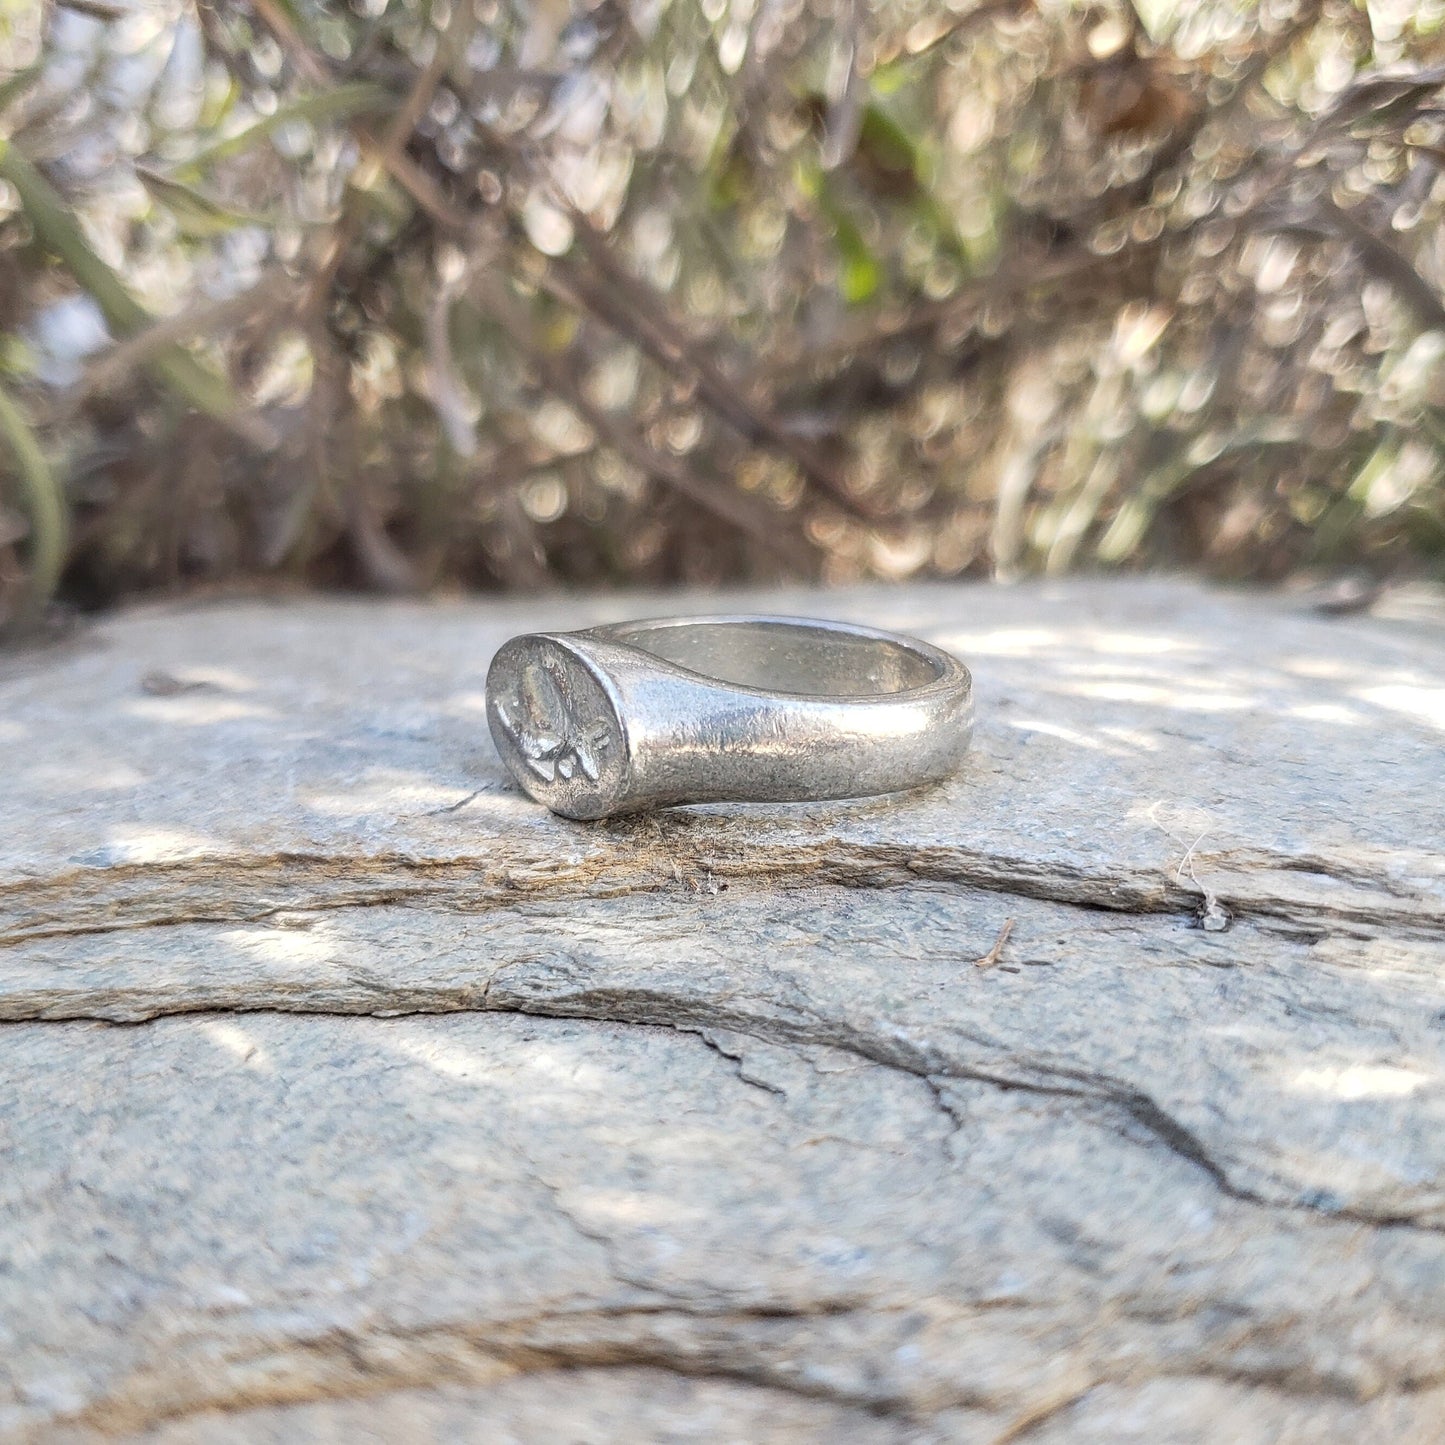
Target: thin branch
column 1324, row 217
column 115, row 368
column 559, row 377
column 630, row 307
column 927, row 35
column 393, row 160
column 996, row 952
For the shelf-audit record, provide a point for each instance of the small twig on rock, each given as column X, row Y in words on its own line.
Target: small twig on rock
column 996, row 952
column 457, row 806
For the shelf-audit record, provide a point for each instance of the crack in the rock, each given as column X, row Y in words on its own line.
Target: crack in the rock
column 250, row 889
column 605, row 1242
column 353, row 1363
column 654, row 1011
column 956, row 1119
column 1033, row 1417
column 1139, row 1107
column 386, row 1359
column 710, row 1038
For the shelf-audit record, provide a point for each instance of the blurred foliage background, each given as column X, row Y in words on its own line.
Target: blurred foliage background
column 490, row 293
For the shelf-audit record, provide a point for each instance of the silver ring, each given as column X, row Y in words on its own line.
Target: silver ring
column 640, row 715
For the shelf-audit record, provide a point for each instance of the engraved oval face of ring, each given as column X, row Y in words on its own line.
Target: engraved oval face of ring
column 556, row 727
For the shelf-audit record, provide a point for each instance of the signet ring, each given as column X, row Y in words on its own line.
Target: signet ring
column 637, row 715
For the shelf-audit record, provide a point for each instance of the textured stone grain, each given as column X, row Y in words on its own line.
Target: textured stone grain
column 597, row 1406
column 338, row 752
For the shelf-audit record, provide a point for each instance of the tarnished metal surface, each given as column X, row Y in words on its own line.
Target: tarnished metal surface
column 622, row 718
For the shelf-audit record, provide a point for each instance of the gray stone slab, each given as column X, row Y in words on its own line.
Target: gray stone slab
column 220, row 1211
column 1307, row 1074
column 337, row 752
column 346, row 1092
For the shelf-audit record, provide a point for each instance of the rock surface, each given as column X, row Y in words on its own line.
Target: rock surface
column 350, row 1096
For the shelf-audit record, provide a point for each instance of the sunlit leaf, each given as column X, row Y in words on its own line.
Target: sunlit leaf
column 43, row 501
column 337, row 104
column 59, row 232
column 1126, row 532
column 196, row 214
column 14, row 86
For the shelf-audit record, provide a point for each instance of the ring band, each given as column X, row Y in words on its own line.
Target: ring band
column 640, row 715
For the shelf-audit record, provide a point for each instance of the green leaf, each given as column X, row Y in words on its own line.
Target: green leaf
column 339, row 103
column 1139, row 509
column 218, row 104
column 197, row 215
column 889, row 144
column 860, row 274
column 1149, row 495
column 14, row 86
column 44, row 504
column 59, row 232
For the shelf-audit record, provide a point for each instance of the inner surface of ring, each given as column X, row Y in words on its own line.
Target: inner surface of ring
column 787, row 657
